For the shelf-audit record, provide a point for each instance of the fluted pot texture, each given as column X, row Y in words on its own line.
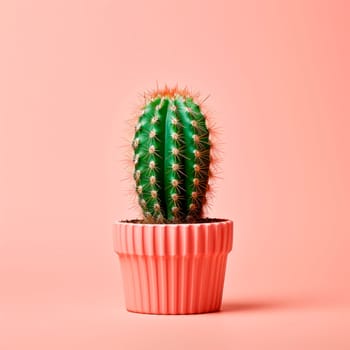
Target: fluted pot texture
column 173, row 268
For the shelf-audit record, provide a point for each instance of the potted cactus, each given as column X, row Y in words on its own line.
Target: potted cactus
column 173, row 260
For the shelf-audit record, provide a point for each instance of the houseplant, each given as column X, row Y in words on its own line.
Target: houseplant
column 173, row 261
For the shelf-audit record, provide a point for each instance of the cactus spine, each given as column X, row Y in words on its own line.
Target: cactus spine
column 171, row 157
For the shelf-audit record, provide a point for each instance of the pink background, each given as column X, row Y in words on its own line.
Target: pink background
column 278, row 75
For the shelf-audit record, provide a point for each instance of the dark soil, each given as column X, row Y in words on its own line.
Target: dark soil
column 198, row 221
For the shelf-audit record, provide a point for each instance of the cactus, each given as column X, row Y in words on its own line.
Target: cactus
column 171, row 157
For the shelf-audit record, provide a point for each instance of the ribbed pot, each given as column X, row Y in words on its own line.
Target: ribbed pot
column 175, row 268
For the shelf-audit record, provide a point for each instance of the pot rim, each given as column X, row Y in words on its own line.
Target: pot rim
column 129, row 223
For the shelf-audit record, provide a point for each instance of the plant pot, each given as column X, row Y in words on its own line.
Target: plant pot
column 173, row 268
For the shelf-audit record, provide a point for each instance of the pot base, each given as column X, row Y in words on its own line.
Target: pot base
column 173, row 285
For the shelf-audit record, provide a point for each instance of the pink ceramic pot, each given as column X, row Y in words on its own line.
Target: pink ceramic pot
column 175, row 268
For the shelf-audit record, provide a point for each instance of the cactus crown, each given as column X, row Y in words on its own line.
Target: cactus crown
column 171, row 157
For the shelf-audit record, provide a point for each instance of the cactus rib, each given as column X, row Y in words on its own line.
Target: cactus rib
column 171, row 158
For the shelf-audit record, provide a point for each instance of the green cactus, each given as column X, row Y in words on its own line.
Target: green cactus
column 171, row 157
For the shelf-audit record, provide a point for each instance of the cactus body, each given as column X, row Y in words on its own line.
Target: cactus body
column 171, row 158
